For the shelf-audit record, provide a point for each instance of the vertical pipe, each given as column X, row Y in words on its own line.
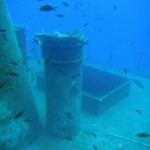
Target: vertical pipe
column 63, row 74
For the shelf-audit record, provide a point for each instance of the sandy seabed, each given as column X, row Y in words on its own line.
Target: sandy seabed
column 115, row 129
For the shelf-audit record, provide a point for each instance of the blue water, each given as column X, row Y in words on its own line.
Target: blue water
column 119, row 38
column 122, row 26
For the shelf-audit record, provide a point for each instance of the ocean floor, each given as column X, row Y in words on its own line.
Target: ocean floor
column 115, row 129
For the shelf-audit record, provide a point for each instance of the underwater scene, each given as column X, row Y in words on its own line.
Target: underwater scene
column 74, row 75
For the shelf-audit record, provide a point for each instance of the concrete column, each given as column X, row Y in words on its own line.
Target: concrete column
column 19, row 122
column 63, row 54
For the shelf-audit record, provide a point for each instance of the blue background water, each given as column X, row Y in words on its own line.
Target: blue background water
column 118, row 31
column 117, row 37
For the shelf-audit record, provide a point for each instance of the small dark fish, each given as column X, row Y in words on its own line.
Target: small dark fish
column 95, row 147
column 69, row 115
column 79, row 75
column 4, row 36
column 46, row 61
column 32, row 50
column 98, row 18
column 24, row 63
column 18, row 115
column 125, row 71
column 69, row 138
column 114, row 7
column 59, row 70
column 39, row 62
column 47, row 8
column 110, row 57
column 13, row 63
column 138, row 111
column 13, row 74
column 83, row 15
column 94, row 135
column 81, row 4
column 138, row 83
column 26, row 120
column 66, row 4
column 60, row 15
column 59, row 24
column 32, row 78
column 3, row 84
column 98, row 29
column 85, row 25
column 3, row 30
column 143, row 135
column 36, row 41
column 74, row 77
column 9, row 139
